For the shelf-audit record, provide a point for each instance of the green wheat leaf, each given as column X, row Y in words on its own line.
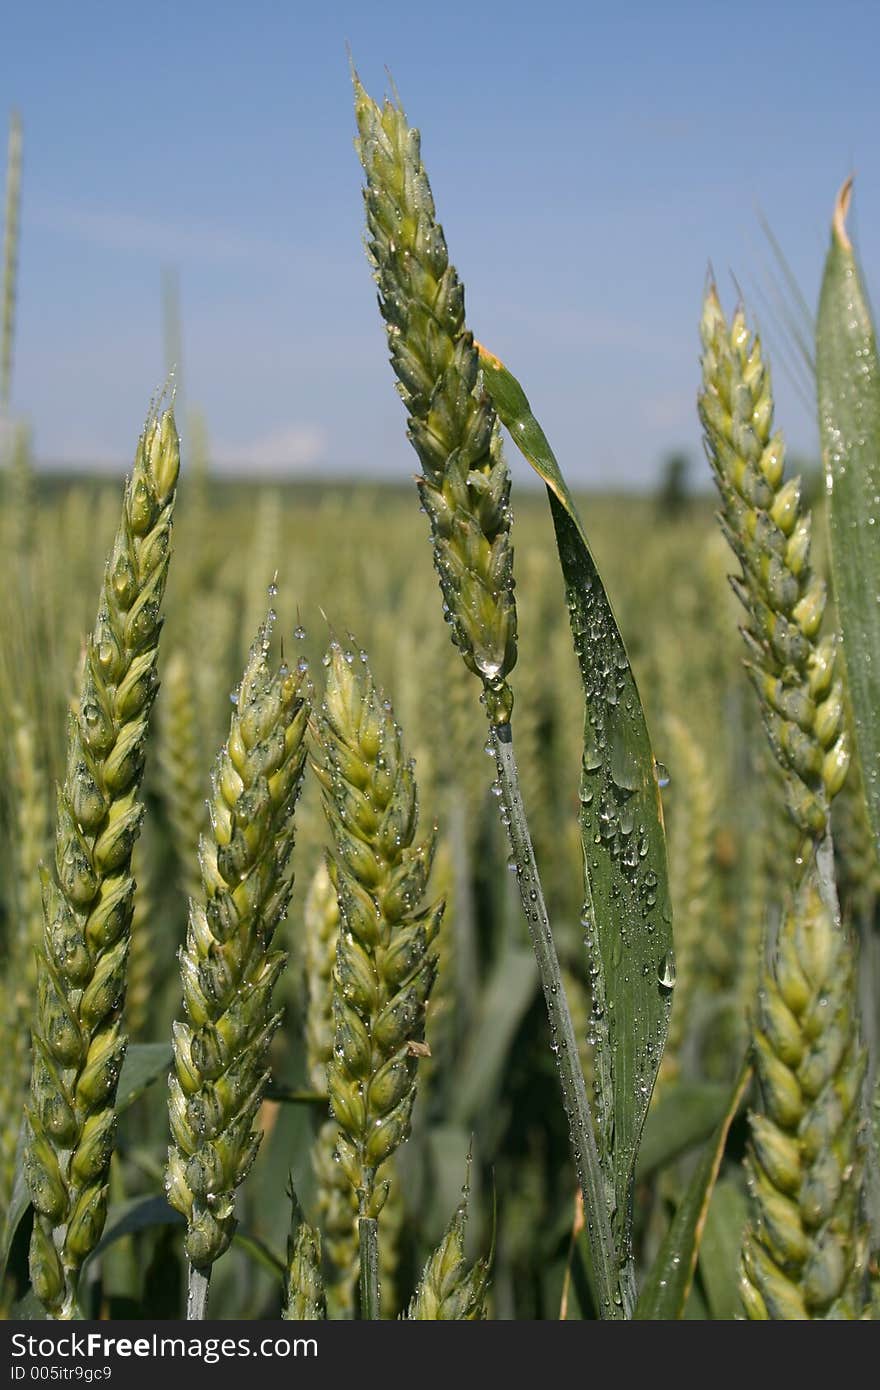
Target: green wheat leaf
column 668, row 1284
column 848, row 382
column 684, row 1115
column 726, row 1221
column 144, row 1063
column 509, row 992
column 627, row 912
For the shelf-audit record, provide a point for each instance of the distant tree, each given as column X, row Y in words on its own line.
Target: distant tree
column 674, row 490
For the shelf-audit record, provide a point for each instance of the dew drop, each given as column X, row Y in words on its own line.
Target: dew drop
column 666, row 971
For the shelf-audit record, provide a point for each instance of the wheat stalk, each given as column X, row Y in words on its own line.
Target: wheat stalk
column 465, row 490
column 78, row 1044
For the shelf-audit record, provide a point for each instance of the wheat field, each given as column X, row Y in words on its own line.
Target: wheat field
column 294, row 941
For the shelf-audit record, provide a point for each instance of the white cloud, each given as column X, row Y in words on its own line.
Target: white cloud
column 293, row 448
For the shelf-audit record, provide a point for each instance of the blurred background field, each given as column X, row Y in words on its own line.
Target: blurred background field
column 359, row 554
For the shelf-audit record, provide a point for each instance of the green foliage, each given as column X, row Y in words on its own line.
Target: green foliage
column 848, row 388
column 668, row 1284
column 627, row 914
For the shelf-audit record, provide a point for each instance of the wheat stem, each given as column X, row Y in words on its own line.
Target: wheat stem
column 368, row 1242
column 197, row 1293
column 465, row 490
column 615, row 1286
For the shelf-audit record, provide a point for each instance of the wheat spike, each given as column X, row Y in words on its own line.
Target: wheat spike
column 228, row 966
column 385, row 964
column 78, row 1043
column 465, row 485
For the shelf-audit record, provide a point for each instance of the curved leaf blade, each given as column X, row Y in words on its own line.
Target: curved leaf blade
column 848, row 386
column 668, row 1284
column 19, row 1199
column 144, row 1063
column 719, row 1252
column 627, row 908
column 509, row 992
column 146, row 1213
column 685, row 1114
column 135, row 1214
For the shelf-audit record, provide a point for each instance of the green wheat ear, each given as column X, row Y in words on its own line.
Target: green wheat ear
column 450, row 1290
column 769, row 530
column 30, row 845
column 465, row 484
column 179, row 767
column 805, row 1253
column 303, row 1285
column 228, row 966
column 78, row 1042
column 385, row 959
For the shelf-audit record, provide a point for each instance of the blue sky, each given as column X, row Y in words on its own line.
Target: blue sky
column 587, row 162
